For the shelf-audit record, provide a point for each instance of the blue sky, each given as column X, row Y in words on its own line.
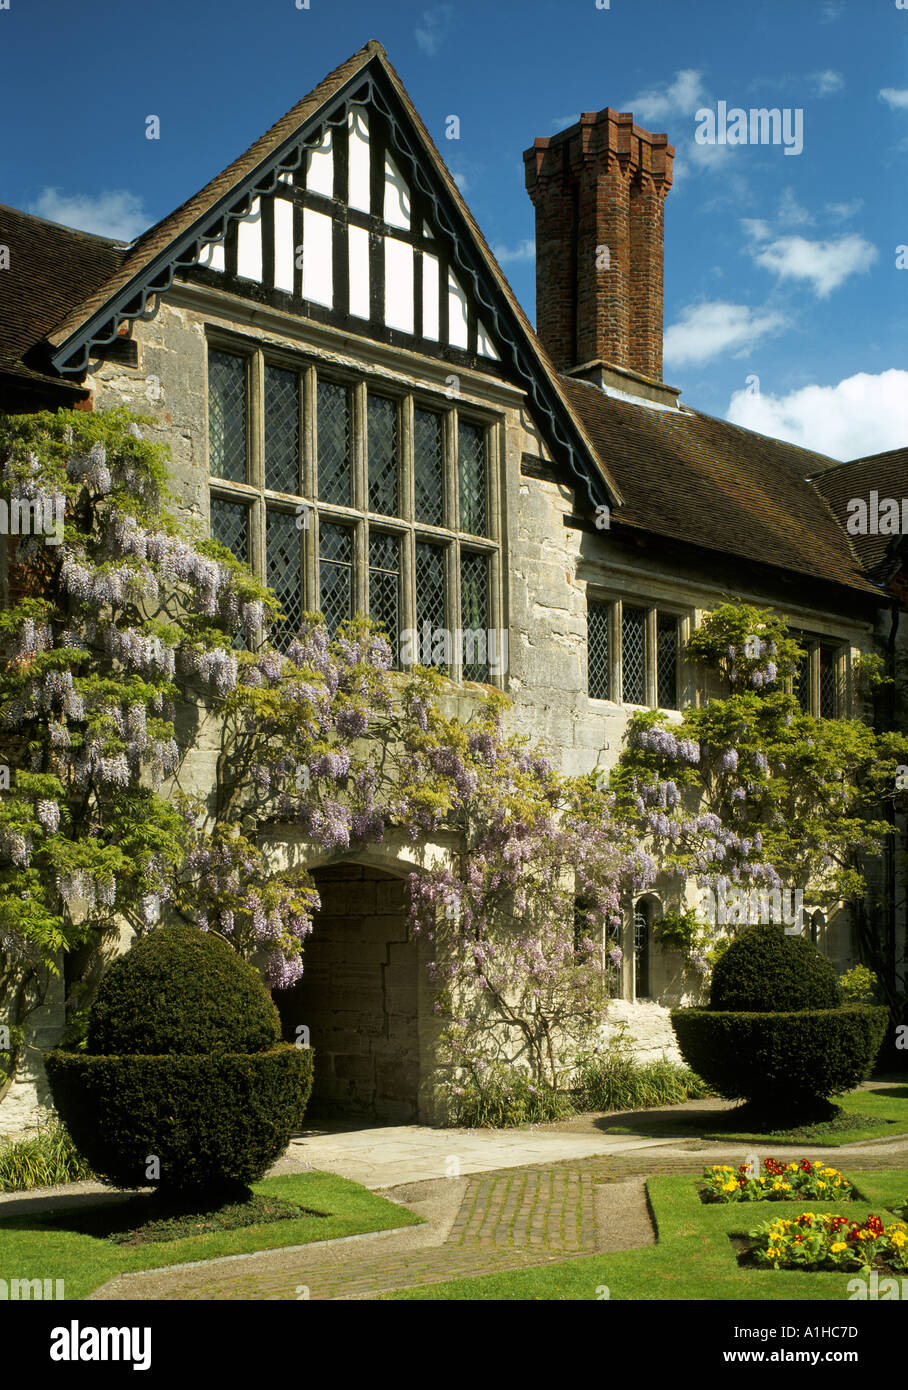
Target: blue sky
column 778, row 267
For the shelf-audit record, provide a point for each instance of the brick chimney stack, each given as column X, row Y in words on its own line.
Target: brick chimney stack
column 599, row 192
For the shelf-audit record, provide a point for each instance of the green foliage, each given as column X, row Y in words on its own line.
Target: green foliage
column 805, row 794
column 500, row 1095
column 766, row 970
column 784, row 1063
column 180, row 990
column 43, row 1160
column 616, row 1081
column 679, row 931
column 728, row 639
column 858, row 985
column 214, row 1122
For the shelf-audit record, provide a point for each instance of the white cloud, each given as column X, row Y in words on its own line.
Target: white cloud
column 825, row 265
column 827, row 82
column 524, row 251
column 705, row 331
column 791, row 212
column 681, row 97
column 673, row 108
column 863, row 414
column 119, row 215
column 831, row 10
column 842, row 211
column 756, row 227
column 435, row 25
column 896, row 97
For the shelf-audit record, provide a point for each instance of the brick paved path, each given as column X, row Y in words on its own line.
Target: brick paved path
column 494, row 1221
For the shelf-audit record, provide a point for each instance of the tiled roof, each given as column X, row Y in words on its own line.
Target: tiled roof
column 50, row 269
column 885, row 473
column 696, row 479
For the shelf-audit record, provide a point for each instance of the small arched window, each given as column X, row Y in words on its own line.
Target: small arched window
column 817, row 923
column 643, row 918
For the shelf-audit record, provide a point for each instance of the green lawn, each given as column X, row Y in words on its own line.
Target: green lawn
column 34, row 1247
column 693, row 1259
column 887, row 1106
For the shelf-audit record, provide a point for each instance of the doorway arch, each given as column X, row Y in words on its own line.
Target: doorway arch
column 359, row 997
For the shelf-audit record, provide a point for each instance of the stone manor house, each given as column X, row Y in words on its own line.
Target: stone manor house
column 323, row 326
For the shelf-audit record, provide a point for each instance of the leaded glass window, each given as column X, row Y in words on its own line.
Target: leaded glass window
column 335, row 434
column 641, row 949
column 335, row 573
column 382, row 439
column 384, row 586
column 319, row 543
column 666, row 661
column 598, row 672
column 284, row 571
column 474, row 615
column 431, row 599
column 227, row 415
column 282, row 430
column 428, row 467
column 633, row 658
column 827, row 683
column 802, row 682
column 230, row 525
column 471, row 453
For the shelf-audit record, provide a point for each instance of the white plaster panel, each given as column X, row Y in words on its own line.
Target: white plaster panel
column 398, row 284
column 457, row 313
column 283, row 244
column 320, row 167
column 318, row 260
column 397, row 196
column 359, row 272
column 484, row 344
column 249, row 244
column 430, row 325
column 212, row 257
column 359, row 188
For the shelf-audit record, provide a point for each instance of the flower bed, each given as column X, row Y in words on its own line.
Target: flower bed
column 780, row 1182
column 816, row 1242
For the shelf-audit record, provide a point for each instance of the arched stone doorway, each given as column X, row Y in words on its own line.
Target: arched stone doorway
column 359, row 997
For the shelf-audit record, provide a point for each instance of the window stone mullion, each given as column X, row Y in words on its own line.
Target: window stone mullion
column 649, row 665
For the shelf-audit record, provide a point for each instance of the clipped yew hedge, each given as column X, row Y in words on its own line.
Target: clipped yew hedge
column 781, row 1061
column 776, row 1033
column 179, row 989
column 765, row 971
column 184, row 1083
column 212, row 1122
